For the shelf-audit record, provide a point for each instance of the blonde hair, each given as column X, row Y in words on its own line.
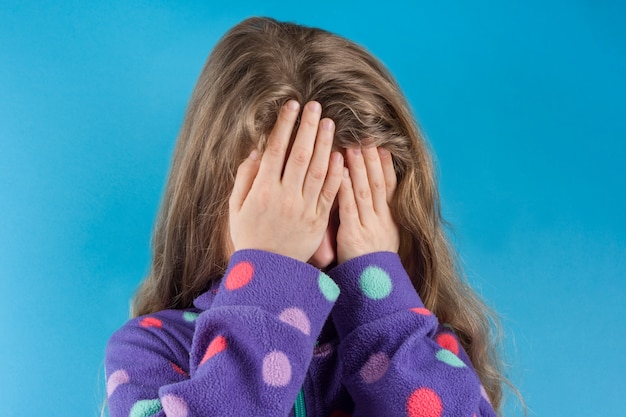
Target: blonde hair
column 254, row 69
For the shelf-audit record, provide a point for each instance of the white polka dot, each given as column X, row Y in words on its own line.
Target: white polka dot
column 484, row 394
column 174, row 406
column 276, row 369
column 116, row 379
column 297, row 318
column 375, row 367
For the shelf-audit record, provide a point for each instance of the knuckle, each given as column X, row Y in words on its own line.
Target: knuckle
column 350, row 207
column 318, row 222
column 370, row 156
column 364, row 193
column 286, row 205
column 309, row 123
column 275, row 149
column 300, row 157
column 327, row 194
column 378, row 186
column 317, row 173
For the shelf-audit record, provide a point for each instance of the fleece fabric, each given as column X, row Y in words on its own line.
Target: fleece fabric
column 275, row 332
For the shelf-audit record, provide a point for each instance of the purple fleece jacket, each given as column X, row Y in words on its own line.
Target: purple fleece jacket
column 280, row 338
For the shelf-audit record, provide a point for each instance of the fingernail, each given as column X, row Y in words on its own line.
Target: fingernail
column 383, row 152
column 254, row 155
column 356, row 151
column 314, row 106
column 336, row 157
column 327, row 124
column 293, row 105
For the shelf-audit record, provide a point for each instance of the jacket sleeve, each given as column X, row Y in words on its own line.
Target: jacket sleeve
column 397, row 360
column 249, row 352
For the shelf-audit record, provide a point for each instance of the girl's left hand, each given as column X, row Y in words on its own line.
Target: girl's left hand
column 366, row 223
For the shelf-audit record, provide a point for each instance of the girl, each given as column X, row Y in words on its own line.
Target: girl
column 300, row 266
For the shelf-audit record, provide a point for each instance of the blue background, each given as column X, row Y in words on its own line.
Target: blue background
column 524, row 105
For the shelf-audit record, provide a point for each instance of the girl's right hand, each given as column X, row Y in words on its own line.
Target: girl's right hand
column 287, row 212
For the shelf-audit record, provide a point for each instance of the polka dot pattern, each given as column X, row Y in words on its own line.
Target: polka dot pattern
column 448, row 341
column 375, row 367
column 297, row 318
column 483, row 392
column 174, row 406
column 189, row 316
column 424, row 402
column 178, row 369
column 276, row 369
column 447, row 357
column 151, row 322
column 116, row 379
column 375, row 283
column 323, row 351
column 145, row 408
column 216, row 346
column 327, row 286
column 239, row 276
column 421, row 310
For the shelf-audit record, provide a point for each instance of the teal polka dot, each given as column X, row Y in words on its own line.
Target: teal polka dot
column 375, row 283
column 145, row 408
column 189, row 316
column 447, row 357
column 329, row 289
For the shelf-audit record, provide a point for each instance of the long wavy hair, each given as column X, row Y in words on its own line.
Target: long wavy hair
column 253, row 70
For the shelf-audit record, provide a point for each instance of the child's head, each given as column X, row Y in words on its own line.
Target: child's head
column 253, row 70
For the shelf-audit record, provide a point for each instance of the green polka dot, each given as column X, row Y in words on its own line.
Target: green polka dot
column 189, row 316
column 375, row 283
column 145, row 408
column 329, row 289
column 445, row 356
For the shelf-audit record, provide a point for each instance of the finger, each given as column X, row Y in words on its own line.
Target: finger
column 331, row 184
column 318, row 168
column 376, row 178
column 302, row 149
column 390, row 173
column 273, row 159
column 348, row 211
column 360, row 185
column 246, row 173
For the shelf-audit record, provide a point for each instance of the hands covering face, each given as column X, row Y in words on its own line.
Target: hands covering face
column 287, row 212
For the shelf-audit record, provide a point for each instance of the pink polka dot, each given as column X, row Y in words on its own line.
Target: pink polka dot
column 239, row 276
column 178, row 369
column 276, row 369
column 375, row 367
column 421, row 310
column 116, row 379
column 424, row 402
column 297, row 318
column 448, row 341
column 484, row 394
column 174, row 406
column 151, row 322
column 216, row 346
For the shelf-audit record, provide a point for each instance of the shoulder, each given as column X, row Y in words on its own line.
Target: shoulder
column 167, row 333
